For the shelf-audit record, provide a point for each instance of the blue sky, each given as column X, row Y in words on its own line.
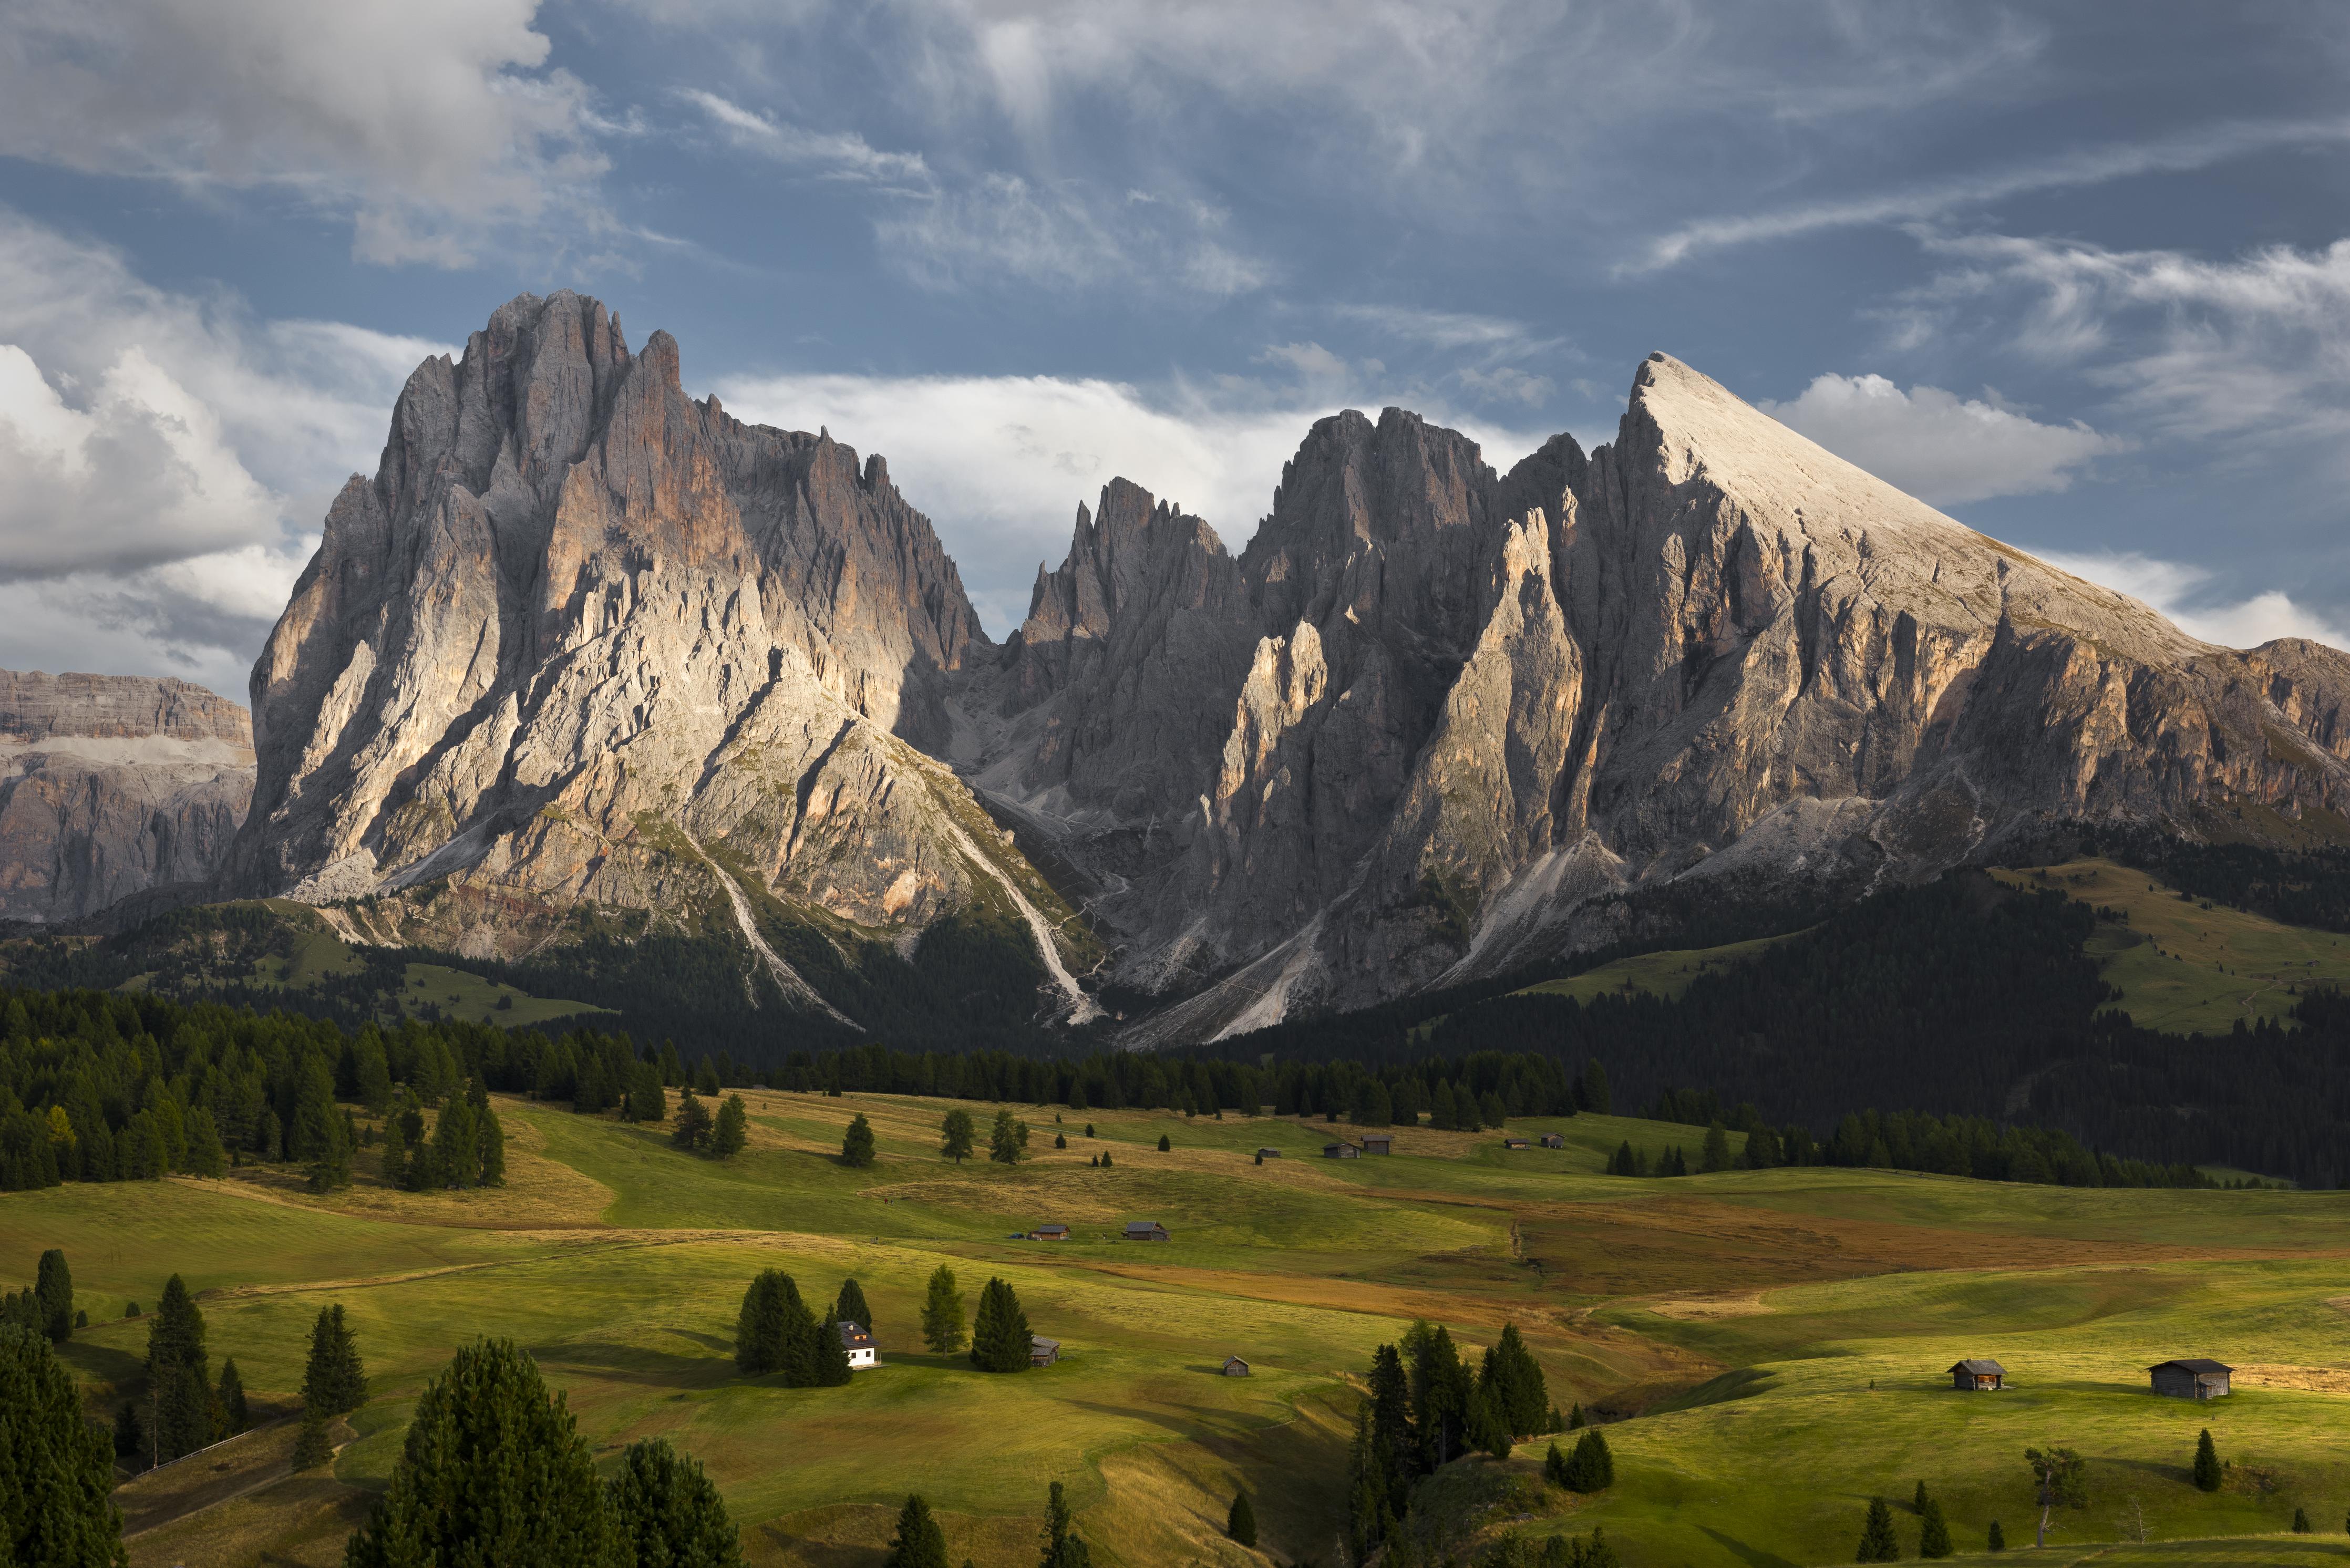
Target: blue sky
column 2079, row 276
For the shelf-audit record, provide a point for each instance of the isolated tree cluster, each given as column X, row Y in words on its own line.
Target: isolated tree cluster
column 776, row 1333
column 1426, row 1409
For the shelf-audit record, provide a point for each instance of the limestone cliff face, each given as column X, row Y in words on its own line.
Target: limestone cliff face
column 583, row 643
column 1473, row 702
column 111, row 785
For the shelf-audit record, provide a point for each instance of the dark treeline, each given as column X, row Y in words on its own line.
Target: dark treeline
column 2301, row 886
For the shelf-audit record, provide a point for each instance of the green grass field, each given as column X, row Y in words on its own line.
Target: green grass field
column 1772, row 1341
column 1666, row 974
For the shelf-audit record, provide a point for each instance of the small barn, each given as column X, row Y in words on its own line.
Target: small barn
column 1236, row 1367
column 1049, row 1233
column 1268, row 1154
column 1514, row 1143
column 2191, row 1379
column 1554, row 1141
column 1978, row 1375
column 1146, row 1230
column 1378, row 1143
column 1043, row 1352
column 859, row 1345
column 1341, row 1150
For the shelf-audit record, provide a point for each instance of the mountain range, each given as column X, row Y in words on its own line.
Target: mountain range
column 587, row 661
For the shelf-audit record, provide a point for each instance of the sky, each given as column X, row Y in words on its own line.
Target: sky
column 2079, row 276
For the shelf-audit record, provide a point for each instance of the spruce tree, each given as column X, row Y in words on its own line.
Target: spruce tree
column 693, row 1123
column 1555, row 1467
column 1163, row 1144
column 493, row 1470
column 1521, row 1393
column 1998, row 1539
column 334, row 1380
column 312, row 1448
column 178, row 1375
column 2300, row 1522
column 53, row 1289
column 1934, row 1533
column 1489, row 1428
column 828, row 1354
column 919, row 1543
column 666, row 1514
column 229, row 1402
column 1061, row 1547
column 2207, row 1463
column 1239, row 1524
column 955, row 1134
column 1917, row 1499
column 1876, row 1542
column 759, row 1326
column 1575, row 1419
column 732, row 1130
column 1000, row 1337
column 857, row 1144
column 207, row 1157
column 942, row 1328
column 1716, row 1156
column 798, row 1357
column 57, row 1509
column 1006, row 1146
column 1591, row 1467
column 1105, row 1160
column 849, row 1306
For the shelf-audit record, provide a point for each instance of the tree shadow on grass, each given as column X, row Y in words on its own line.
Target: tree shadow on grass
column 104, row 1363
column 635, row 1364
column 1754, row 1556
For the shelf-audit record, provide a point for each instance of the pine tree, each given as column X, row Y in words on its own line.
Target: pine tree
column 693, row 1124
column 1489, row 1428
column 229, row 1402
column 312, row 1448
column 1000, row 1336
column 955, row 1135
column 733, row 1130
column 2207, row 1463
column 849, row 1306
column 493, row 1470
column 1998, row 1540
column 1239, row 1524
column 705, row 1077
column 1934, row 1533
column 942, row 1328
column 1105, row 1160
column 1876, row 1542
column 1555, row 1467
column 1917, row 1499
column 857, row 1144
column 666, row 1512
column 2300, row 1522
column 207, row 1157
column 334, row 1381
column 759, row 1326
column 1061, row 1547
column 1163, row 1144
column 1060, row 1140
column 178, row 1375
column 53, row 1290
column 130, row 1434
column 919, row 1543
column 1574, row 1419
column 1006, row 1146
column 1716, row 1155
column 1521, row 1395
column 57, row 1509
column 456, row 1144
column 491, row 1143
column 1591, row 1089
column 829, row 1353
column 1591, row 1467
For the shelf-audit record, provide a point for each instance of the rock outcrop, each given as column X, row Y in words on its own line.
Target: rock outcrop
column 584, row 644
column 112, row 785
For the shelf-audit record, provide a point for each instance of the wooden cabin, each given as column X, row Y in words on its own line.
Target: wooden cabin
column 1341, row 1150
column 1043, row 1352
column 859, row 1345
column 1514, row 1143
column 2195, row 1378
column 1268, row 1154
column 1236, row 1367
column 1049, row 1233
column 1978, row 1375
column 1554, row 1141
column 1146, row 1230
column 1377, row 1142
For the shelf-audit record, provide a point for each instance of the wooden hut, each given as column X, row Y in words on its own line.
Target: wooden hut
column 2196, row 1378
column 1146, row 1230
column 1377, row 1142
column 1978, row 1375
column 1043, row 1352
column 1342, row 1149
column 1236, row 1367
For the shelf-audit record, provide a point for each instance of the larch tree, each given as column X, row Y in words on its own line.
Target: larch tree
column 493, row 1470
column 942, row 1329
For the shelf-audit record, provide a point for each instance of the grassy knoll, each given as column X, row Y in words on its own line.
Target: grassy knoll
column 1769, row 1344
column 2185, row 965
column 1666, row 974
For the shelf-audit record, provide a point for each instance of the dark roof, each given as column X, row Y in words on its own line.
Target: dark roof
column 1977, row 1365
column 1134, row 1225
column 2195, row 1364
column 1038, row 1342
column 1055, row 1227
column 850, row 1334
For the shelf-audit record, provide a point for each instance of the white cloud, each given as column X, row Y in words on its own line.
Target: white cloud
column 2198, row 149
column 832, row 155
column 2184, row 593
column 2256, row 347
column 1505, row 384
column 168, row 458
column 1937, row 446
column 1001, row 462
column 430, row 122
column 1003, row 226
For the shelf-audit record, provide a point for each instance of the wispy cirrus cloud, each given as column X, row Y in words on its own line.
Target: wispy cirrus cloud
column 832, row 155
column 2198, row 149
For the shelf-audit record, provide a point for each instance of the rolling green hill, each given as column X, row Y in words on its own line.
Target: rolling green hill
column 1771, row 1342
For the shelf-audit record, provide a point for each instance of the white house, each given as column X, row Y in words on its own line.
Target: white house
column 859, row 1345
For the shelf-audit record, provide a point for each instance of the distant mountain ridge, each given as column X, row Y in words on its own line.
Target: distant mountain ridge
column 112, row 785
column 586, row 656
